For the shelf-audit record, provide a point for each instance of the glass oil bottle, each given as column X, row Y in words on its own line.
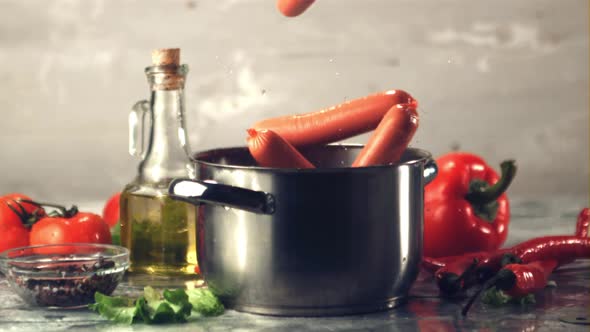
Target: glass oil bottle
column 159, row 232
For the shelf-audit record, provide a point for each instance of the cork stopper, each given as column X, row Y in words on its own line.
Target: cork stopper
column 166, row 72
column 166, row 57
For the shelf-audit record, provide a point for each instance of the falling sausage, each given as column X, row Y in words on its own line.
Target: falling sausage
column 391, row 138
column 336, row 123
column 292, row 8
column 270, row 150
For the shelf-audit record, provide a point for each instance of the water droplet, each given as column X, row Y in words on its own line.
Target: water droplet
column 263, row 92
column 331, row 60
column 341, row 162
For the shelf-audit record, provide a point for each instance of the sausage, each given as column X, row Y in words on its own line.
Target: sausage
column 337, row 122
column 391, row 138
column 271, row 150
column 292, row 8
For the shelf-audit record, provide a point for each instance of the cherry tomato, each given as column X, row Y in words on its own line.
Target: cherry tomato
column 14, row 212
column 83, row 227
column 8, row 217
column 13, row 237
column 110, row 212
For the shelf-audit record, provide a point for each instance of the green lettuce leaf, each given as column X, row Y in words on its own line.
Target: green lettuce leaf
column 178, row 300
column 496, row 297
column 173, row 308
column 205, row 302
column 153, row 307
column 116, row 308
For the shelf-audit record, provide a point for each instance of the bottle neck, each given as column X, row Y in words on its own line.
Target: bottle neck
column 168, row 154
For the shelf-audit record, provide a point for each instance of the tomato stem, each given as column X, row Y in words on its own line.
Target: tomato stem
column 26, row 218
column 22, row 214
column 62, row 210
column 487, row 195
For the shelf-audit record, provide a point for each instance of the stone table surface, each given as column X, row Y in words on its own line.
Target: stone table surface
column 424, row 311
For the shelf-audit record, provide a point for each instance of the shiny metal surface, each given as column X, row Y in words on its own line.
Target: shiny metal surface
column 341, row 241
column 209, row 192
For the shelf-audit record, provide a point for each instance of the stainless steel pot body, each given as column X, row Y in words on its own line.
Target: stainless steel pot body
column 328, row 241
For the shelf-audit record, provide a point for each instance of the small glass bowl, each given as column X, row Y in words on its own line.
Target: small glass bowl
column 64, row 275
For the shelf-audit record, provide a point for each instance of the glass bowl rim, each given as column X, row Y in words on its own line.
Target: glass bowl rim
column 120, row 252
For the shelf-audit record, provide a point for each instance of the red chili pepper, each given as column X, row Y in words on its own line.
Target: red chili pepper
column 453, row 276
column 458, row 273
column 465, row 207
column 562, row 248
column 518, row 280
column 583, row 222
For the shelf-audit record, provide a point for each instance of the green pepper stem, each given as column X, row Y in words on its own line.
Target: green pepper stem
column 451, row 284
column 503, row 277
column 492, row 193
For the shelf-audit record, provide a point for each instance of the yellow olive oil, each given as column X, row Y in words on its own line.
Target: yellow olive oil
column 160, row 234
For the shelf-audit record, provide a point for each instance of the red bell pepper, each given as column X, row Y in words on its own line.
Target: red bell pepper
column 466, row 208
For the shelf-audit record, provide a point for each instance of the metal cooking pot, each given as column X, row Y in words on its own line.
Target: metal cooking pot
column 308, row 242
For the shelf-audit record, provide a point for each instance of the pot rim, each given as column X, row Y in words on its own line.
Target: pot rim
column 423, row 157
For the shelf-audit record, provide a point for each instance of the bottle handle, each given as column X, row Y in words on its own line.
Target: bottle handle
column 136, row 128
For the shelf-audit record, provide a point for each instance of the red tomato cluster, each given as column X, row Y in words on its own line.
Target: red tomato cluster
column 24, row 223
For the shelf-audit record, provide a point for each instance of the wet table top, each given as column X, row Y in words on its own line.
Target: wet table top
column 555, row 308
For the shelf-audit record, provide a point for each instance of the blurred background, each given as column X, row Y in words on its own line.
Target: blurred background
column 502, row 79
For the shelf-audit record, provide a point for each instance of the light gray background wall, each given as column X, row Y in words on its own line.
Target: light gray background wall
column 504, row 79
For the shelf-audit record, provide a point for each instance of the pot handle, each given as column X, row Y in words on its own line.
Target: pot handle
column 430, row 171
column 210, row 192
